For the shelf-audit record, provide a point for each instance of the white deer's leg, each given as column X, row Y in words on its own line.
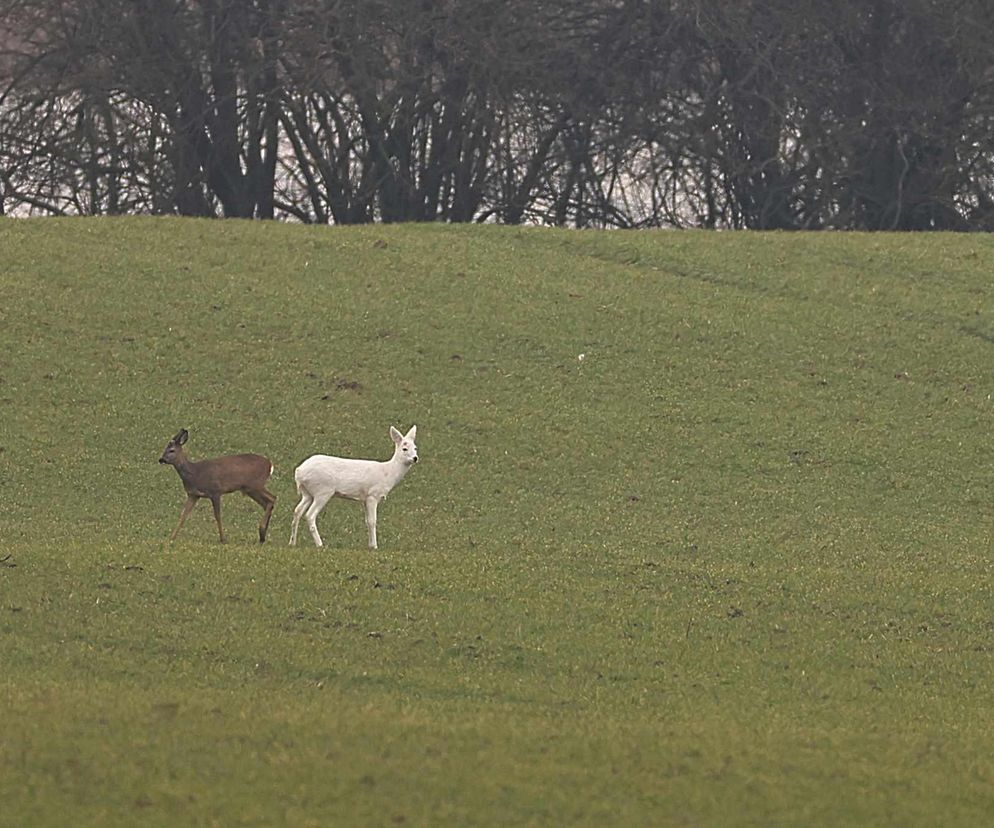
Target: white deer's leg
column 298, row 513
column 317, row 504
column 371, row 503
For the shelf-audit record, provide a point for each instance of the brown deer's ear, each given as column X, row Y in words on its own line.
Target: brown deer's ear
column 181, row 438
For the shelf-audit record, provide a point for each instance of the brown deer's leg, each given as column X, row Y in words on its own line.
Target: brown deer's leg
column 264, row 526
column 187, row 508
column 216, row 503
column 267, row 500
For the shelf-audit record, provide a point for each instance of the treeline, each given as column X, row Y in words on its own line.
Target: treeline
column 849, row 114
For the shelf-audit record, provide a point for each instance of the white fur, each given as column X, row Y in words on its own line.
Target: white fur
column 320, row 478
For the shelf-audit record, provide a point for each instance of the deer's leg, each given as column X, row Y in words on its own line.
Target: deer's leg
column 270, row 505
column 216, row 503
column 267, row 500
column 298, row 513
column 370, row 504
column 191, row 501
column 317, row 504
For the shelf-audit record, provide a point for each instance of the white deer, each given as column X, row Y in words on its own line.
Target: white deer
column 320, row 477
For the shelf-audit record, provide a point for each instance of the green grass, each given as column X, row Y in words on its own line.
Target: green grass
column 733, row 567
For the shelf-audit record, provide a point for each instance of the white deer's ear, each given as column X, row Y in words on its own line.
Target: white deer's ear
column 412, row 433
column 395, row 435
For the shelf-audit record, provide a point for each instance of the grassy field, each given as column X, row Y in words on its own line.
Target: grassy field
column 732, row 567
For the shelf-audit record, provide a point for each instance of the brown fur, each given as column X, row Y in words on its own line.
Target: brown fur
column 246, row 473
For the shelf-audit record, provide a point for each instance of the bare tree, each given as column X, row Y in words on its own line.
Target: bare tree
column 779, row 114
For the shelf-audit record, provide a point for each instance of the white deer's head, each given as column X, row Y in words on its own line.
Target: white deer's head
column 406, row 450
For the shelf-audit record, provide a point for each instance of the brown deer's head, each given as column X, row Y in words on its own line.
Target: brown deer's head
column 173, row 451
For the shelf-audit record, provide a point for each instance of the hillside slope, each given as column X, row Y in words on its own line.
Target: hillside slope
column 700, row 531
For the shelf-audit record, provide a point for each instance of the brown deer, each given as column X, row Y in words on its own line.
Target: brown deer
column 246, row 473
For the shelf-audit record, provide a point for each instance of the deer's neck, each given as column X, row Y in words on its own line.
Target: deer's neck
column 396, row 468
column 187, row 472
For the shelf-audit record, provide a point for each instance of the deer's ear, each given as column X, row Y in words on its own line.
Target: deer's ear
column 412, row 433
column 395, row 435
column 182, row 437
